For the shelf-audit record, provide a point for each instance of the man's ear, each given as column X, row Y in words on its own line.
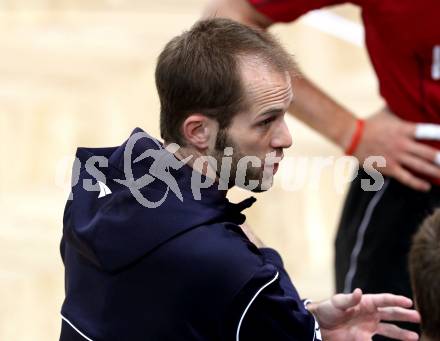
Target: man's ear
column 199, row 130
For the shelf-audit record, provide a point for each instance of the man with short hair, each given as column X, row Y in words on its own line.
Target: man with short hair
column 151, row 260
column 424, row 266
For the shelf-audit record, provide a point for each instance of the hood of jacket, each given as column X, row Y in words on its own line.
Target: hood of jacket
column 126, row 201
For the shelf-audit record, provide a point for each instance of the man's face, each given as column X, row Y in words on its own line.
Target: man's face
column 259, row 131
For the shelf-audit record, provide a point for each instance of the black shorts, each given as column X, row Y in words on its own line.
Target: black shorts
column 374, row 236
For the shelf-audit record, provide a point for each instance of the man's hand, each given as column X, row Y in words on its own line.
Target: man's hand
column 394, row 139
column 357, row 317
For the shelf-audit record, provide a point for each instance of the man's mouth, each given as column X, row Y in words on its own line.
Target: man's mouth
column 277, row 164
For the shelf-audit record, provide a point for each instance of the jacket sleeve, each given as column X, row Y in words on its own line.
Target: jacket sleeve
column 268, row 307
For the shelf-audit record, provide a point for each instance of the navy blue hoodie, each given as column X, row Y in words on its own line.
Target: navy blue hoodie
column 183, row 270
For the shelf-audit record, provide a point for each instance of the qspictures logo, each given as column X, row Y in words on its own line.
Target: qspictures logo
column 161, row 160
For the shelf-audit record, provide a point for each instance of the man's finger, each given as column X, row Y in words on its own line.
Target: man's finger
column 394, row 332
column 420, row 166
column 406, row 178
column 424, row 151
column 346, row 301
column 409, row 129
column 399, row 314
column 390, row 300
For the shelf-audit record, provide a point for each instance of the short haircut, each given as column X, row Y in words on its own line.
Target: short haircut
column 198, row 72
column 424, row 264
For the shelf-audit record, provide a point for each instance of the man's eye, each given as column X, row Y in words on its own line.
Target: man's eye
column 266, row 122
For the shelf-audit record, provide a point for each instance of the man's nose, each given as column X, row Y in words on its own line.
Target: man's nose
column 282, row 137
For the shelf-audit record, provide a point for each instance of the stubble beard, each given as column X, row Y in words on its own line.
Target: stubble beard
column 265, row 179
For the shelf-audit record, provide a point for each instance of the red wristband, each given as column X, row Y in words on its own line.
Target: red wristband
column 356, row 137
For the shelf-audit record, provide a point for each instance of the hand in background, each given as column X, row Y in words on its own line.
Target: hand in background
column 388, row 136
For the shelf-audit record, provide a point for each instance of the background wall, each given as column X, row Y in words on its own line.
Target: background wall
column 80, row 73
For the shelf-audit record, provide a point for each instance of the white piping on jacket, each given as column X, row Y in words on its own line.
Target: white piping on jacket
column 237, row 337
column 76, row 329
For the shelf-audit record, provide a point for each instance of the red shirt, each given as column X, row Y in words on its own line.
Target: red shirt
column 403, row 41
